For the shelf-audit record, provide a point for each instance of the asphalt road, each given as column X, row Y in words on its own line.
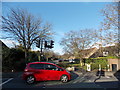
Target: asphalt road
column 88, row 80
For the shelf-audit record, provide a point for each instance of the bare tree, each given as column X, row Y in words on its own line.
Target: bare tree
column 110, row 24
column 111, row 13
column 108, row 32
column 75, row 41
column 25, row 28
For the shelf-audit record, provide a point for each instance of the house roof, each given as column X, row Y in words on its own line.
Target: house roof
column 3, row 45
column 94, row 52
column 112, row 50
column 85, row 53
column 88, row 52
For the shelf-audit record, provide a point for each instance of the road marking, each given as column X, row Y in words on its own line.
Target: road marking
column 6, row 81
column 84, row 78
column 81, row 79
column 76, row 79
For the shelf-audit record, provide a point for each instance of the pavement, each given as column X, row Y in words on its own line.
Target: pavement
column 108, row 76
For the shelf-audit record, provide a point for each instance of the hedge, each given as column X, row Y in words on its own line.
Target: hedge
column 96, row 62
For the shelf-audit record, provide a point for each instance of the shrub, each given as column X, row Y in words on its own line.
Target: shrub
column 96, row 61
column 94, row 66
column 14, row 59
column 76, row 65
column 64, row 65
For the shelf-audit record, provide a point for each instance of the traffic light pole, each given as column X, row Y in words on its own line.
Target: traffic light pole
column 41, row 49
column 40, row 43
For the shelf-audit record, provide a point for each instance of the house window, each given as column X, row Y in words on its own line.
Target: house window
column 105, row 53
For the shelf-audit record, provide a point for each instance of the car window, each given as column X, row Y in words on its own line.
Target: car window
column 50, row 67
column 37, row 66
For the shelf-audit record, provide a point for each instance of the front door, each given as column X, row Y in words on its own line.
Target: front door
column 114, row 67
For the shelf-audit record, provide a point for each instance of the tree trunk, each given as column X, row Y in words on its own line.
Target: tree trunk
column 26, row 56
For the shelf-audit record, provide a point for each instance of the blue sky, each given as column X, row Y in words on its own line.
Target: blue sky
column 64, row 16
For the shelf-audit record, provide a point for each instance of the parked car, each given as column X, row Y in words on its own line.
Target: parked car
column 56, row 61
column 72, row 61
column 44, row 71
column 61, row 60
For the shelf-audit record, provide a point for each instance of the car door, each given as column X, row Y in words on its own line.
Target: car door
column 52, row 72
column 39, row 71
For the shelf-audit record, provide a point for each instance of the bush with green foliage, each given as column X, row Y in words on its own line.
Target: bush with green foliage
column 95, row 62
column 76, row 65
column 64, row 65
column 14, row 59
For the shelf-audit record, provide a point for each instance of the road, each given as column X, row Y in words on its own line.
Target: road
column 88, row 80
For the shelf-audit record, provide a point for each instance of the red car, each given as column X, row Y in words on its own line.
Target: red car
column 44, row 71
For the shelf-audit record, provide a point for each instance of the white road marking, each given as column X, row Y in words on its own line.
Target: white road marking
column 78, row 80
column 6, row 81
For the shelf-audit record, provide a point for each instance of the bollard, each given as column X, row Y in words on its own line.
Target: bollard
column 12, row 70
column 73, row 68
column 88, row 67
column 108, row 67
column 99, row 67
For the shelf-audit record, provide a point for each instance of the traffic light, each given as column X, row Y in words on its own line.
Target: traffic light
column 38, row 43
column 45, row 45
column 52, row 44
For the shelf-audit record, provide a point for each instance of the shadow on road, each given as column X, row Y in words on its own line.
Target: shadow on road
column 99, row 73
column 73, row 75
column 117, row 75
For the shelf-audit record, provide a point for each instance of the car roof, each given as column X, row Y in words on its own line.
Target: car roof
column 41, row 63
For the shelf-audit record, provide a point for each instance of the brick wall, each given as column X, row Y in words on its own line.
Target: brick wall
column 114, row 61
